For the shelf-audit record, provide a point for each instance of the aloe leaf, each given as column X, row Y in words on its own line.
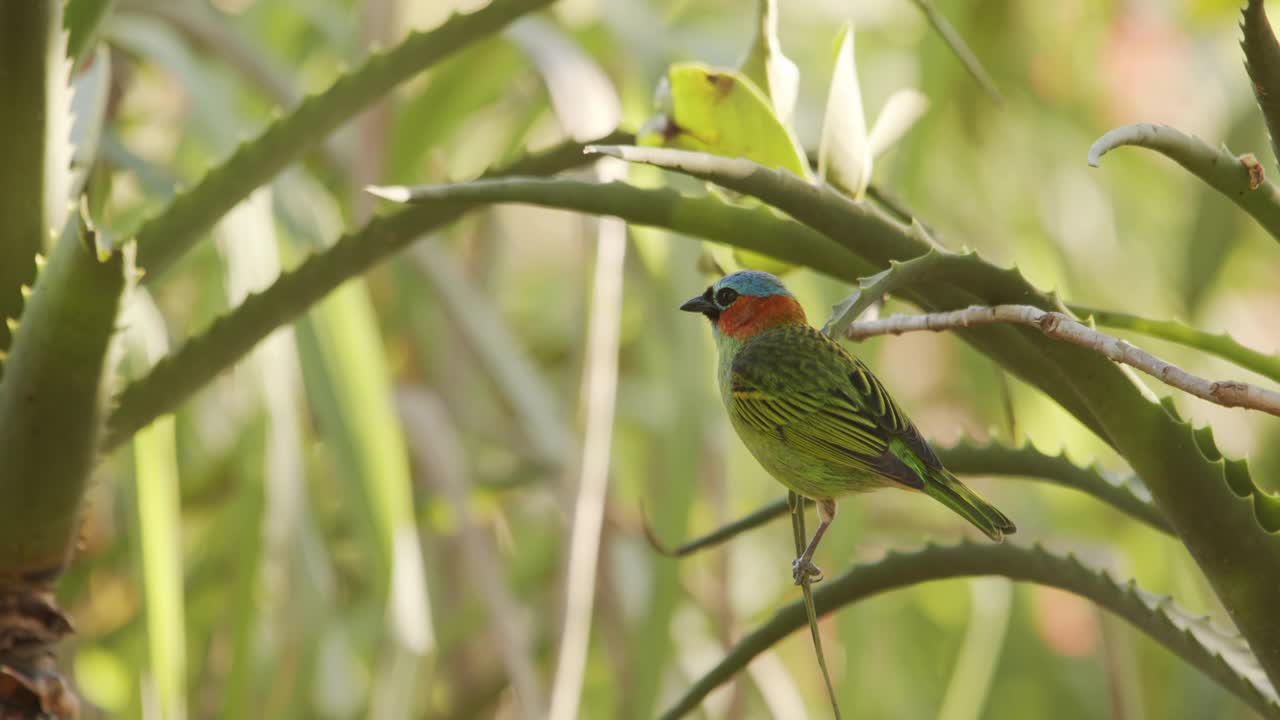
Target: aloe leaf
column 873, row 289
column 35, row 135
column 755, row 229
column 1219, row 344
column 171, row 232
column 958, row 46
column 363, row 413
column 582, row 96
column 198, row 361
column 1239, row 179
column 765, row 65
column 1198, row 492
column 1262, row 61
column 720, row 111
column 83, row 18
column 844, row 153
column 1126, row 494
column 1221, row 655
column 498, row 352
column 723, row 112
column 54, row 379
column 1215, row 227
column 1189, row 486
column 990, row 605
column 900, row 112
column 155, row 457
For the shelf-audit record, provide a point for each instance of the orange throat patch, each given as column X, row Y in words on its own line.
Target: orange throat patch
column 750, row 314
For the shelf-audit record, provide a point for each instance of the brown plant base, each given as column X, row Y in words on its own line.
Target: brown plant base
column 31, row 623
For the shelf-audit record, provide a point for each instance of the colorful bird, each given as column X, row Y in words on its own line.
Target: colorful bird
column 813, row 415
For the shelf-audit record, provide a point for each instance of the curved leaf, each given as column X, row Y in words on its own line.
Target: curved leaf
column 1239, row 179
column 167, row 235
column 723, row 112
column 35, row 177
column 83, row 18
column 958, row 46
column 1221, row 655
column 156, row 483
column 1189, row 486
column 197, row 362
column 765, row 65
column 1262, row 61
column 1126, row 494
column 50, row 402
column 844, row 152
column 1220, row 344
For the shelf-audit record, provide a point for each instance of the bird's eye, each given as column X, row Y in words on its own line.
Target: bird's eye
column 726, row 296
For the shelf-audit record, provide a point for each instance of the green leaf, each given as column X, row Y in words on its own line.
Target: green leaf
column 1126, row 494
column 169, row 234
column 872, row 289
column 943, row 27
column 54, row 380
column 201, row 359
column 900, row 112
column 83, row 18
column 35, row 132
column 362, row 413
column 765, row 65
column 155, row 456
column 1190, row 487
column 1221, row 655
column 91, row 92
column 499, row 355
column 1262, row 61
column 582, row 96
column 1239, row 179
column 1216, row 227
column 1220, row 344
column 844, row 154
column 723, row 112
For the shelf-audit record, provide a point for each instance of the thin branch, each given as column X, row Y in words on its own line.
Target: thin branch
column 600, row 387
column 958, row 46
column 1228, row 393
column 1221, row 344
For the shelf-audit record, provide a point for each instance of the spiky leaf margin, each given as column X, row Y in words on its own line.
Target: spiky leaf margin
column 1262, row 61
column 170, row 233
column 51, row 398
column 1222, row 655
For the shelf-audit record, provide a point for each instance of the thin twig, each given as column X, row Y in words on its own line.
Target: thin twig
column 600, row 392
column 1228, row 393
column 961, row 49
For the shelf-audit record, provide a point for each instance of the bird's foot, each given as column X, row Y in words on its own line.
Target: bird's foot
column 803, row 569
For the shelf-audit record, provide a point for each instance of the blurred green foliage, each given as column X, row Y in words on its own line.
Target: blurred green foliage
column 290, row 508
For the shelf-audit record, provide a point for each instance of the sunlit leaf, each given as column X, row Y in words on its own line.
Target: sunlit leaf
column 845, row 154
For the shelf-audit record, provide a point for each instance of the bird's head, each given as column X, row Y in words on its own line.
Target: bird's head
column 744, row 303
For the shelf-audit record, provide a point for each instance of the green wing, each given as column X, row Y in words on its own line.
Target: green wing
column 797, row 384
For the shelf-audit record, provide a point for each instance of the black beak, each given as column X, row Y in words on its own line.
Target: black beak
column 702, row 305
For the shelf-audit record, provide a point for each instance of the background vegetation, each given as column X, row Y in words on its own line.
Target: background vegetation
column 372, row 514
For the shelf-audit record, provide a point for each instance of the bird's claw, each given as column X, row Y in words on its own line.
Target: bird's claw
column 804, row 570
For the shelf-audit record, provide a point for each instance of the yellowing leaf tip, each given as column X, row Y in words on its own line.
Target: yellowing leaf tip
column 394, row 193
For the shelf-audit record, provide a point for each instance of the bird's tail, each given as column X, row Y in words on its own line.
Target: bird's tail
column 948, row 490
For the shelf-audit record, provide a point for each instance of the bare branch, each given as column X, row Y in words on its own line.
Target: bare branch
column 1228, row 393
